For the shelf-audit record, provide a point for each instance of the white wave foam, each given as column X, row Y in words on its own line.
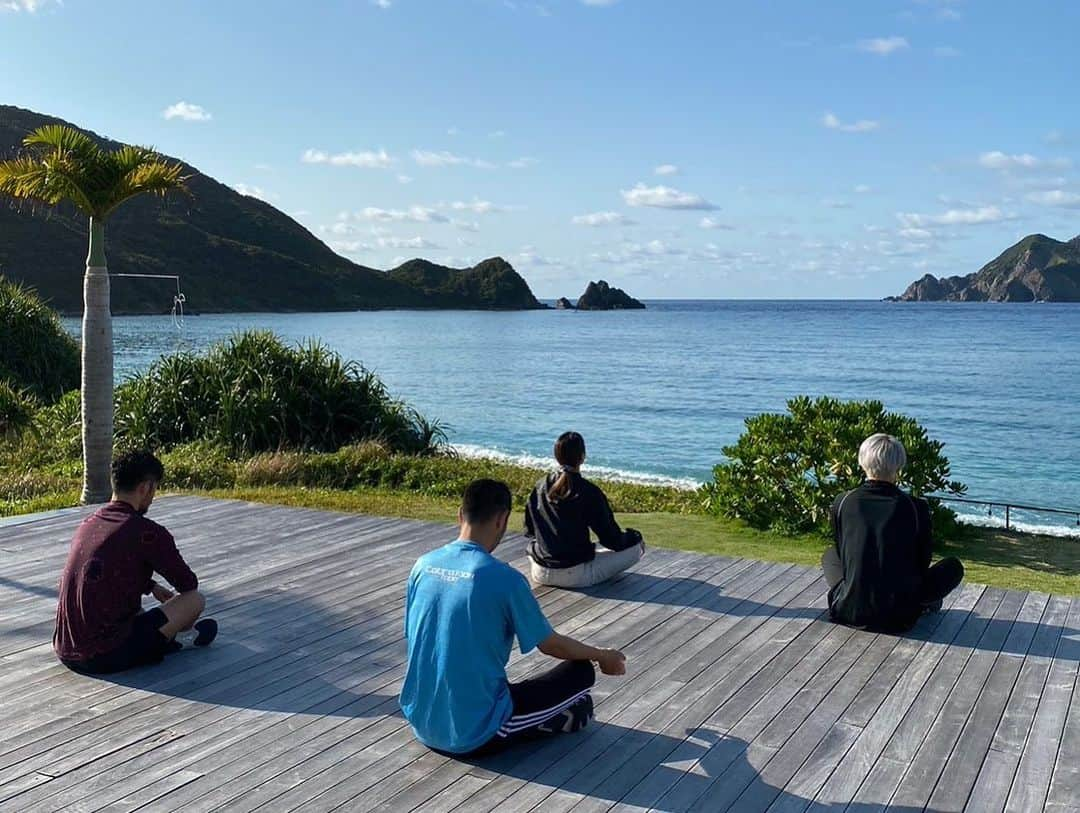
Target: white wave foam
column 1067, row 531
column 600, row 472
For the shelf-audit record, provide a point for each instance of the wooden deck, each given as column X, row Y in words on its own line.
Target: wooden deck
column 739, row 696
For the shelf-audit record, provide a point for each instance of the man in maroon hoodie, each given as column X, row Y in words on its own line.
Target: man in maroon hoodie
column 100, row 624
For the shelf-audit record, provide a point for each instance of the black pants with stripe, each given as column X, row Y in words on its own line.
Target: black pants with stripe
column 538, row 700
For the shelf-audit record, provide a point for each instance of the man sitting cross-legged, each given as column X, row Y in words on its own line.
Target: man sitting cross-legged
column 100, row 624
column 879, row 570
column 463, row 610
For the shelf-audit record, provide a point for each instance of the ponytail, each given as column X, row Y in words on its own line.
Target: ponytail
column 570, row 452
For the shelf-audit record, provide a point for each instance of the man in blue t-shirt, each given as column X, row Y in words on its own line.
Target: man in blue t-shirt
column 463, row 609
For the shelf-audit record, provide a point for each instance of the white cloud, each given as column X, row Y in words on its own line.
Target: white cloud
column 664, row 197
column 711, row 223
column 350, row 246
column 497, row 134
column 382, row 3
column 410, row 242
column 1023, row 161
column 186, row 111
column 1056, row 197
column 444, row 158
column 954, row 217
column 403, row 179
column 479, row 207
column 523, row 163
column 264, row 167
column 602, row 219
column 467, row 225
column 946, row 51
column 833, row 203
column 529, row 256
column 666, row 169
column 860, row 126
column 915, row 234
column 251, row 191
column 882, row 46
column 599, row 3
column 862, row 188
column 366, row 159
column 29, row 6
column 414, row 214
column 452, row 131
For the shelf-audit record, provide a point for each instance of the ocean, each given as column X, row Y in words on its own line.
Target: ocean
column 658, row 393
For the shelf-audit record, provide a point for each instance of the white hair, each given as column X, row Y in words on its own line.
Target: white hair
column 882, row 456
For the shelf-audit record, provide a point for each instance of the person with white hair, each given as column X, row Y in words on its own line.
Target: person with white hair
column 878, row 568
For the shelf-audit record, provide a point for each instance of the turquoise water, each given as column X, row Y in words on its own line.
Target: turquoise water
column 658, row 393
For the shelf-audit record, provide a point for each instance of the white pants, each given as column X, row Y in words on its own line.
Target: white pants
column 606, row 565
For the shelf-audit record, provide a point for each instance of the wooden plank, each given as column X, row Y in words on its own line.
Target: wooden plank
column 1065, row 785
column 860, row 760
column 962, row 769
column 929, row 761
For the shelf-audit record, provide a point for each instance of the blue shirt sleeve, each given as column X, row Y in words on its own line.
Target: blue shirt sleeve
column 526, row 618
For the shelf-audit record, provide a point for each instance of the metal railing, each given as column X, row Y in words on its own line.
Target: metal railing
column 1009, row 506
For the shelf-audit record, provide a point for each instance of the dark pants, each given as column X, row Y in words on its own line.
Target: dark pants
column 939, row 580
column 538, row 700
column 144, row 646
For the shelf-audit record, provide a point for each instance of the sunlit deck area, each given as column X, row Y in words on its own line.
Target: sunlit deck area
column 739, row 696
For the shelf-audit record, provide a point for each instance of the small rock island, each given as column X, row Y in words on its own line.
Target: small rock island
column 599, row 296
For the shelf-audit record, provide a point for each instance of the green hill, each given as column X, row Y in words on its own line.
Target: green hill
column 233, row 253
column 1038, row 268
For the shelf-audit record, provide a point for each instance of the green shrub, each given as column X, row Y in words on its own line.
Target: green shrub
column 16, row 411
column 254, row 394
column 785, row 471
column 36, row 353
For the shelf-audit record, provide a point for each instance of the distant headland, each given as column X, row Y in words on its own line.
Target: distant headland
column 1037, row 269
column 232, row 252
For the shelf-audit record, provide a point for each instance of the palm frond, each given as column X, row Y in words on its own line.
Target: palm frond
column 24, row 178
column 64, row 164
column 143, row 172
column 61, row 139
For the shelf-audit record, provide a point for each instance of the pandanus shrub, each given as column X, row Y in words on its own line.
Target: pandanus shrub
column 253, row 393
column 36, row 353
column 785, row 470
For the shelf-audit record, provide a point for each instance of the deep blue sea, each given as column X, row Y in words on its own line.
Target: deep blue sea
column 658, row 393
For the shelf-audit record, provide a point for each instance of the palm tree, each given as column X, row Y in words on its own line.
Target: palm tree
column 62, row 164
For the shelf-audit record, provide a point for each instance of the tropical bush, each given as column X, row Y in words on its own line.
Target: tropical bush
column 36, row 353
column 785, row 471
column 16, row 411
column 253, row 393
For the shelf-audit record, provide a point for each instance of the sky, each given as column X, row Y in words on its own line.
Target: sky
column 676, row 148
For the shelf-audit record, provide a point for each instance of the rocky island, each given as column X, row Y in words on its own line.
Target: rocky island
column 1037, row 269
column 233, row 252
column 599, row 296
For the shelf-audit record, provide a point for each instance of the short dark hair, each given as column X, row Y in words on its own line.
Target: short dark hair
column 130, row 469
column 484, row 500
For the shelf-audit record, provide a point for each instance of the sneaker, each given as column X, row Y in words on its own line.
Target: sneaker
column 575, row 718
column 206, row 631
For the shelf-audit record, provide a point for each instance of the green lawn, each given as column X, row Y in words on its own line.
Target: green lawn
column 1018, row 561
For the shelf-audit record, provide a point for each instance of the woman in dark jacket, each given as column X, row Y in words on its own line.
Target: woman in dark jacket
column 562, row 508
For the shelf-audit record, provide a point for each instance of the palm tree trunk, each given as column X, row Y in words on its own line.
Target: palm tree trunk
column 97, row 372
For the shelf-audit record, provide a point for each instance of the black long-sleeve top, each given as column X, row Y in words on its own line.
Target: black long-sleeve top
column 884, row 539
column 558, row 530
